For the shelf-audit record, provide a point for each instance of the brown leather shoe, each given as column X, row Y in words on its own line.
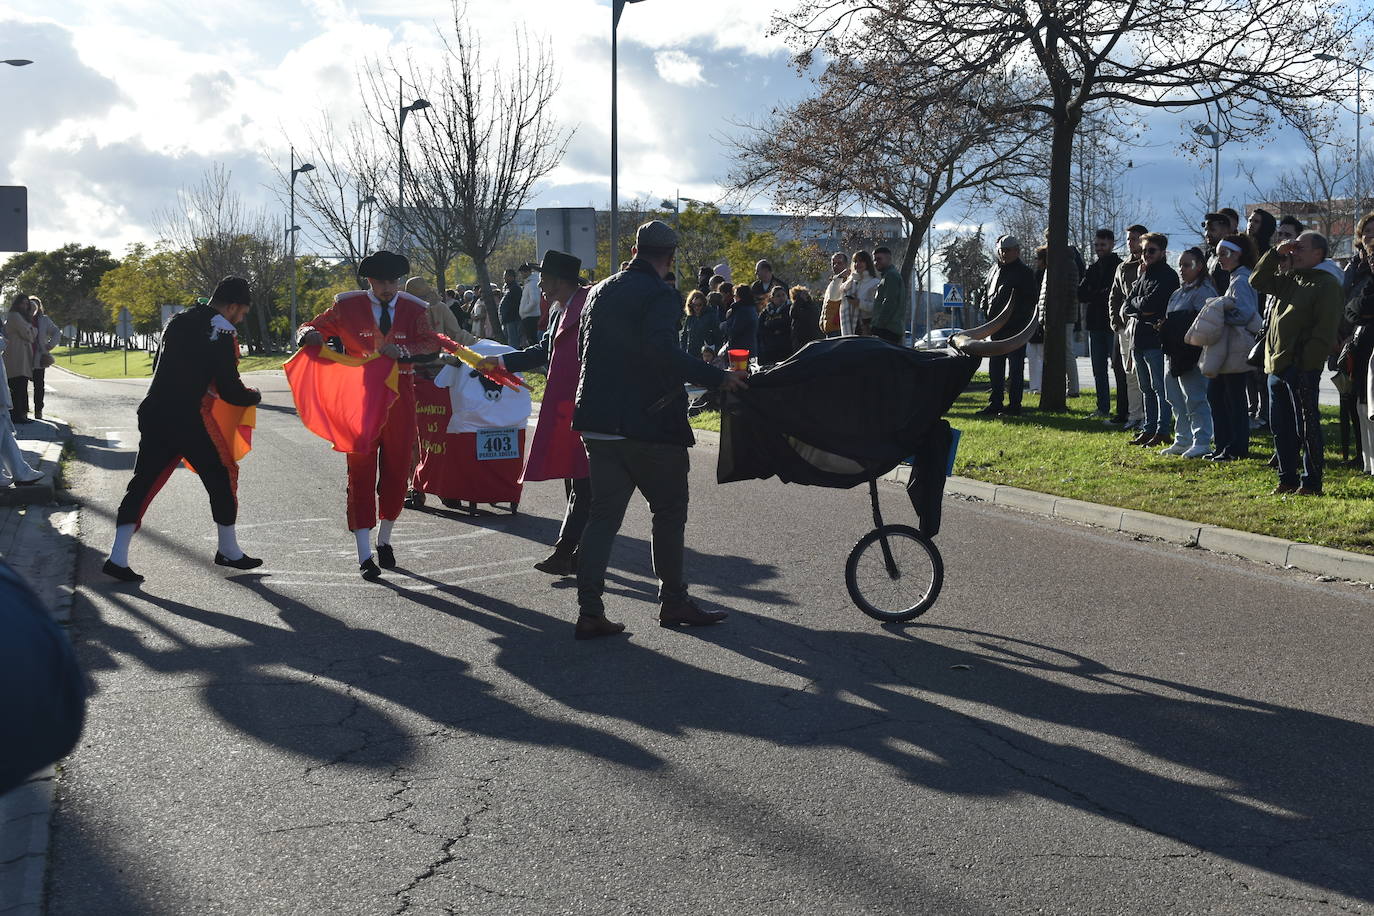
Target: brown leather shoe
column 589, row 627
column 1140, row 438
column 677, row 613
column 1283, row 489
column 1309, row 491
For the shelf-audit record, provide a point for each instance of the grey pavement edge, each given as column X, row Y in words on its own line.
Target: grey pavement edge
column 39, row 541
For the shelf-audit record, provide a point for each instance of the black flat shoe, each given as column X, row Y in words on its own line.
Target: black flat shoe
column 369, row 570
column 386, row 557
column 29, row 483
column 243, row 562
column 122, row 573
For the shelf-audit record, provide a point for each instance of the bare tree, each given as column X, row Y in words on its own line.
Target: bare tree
column 860, row 144
column 475, row 155
column 1320, row 187
column 214, row 236
column 1248, row 60
column 337, row 201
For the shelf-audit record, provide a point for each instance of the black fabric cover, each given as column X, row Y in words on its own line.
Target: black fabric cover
column 844, row 411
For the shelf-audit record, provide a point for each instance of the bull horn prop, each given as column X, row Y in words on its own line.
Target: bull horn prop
column 986, row 330
column 965, row 343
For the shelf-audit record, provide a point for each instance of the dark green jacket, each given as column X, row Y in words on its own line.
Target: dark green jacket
column 1304, row 312
column 888, row 313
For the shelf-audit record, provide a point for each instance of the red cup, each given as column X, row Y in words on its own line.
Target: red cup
column 739, row 360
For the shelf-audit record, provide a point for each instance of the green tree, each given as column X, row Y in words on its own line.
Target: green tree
column 964, row 259
column 66, row 279
column 145, row 280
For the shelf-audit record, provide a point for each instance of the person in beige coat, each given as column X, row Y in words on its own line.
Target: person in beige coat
column 19, row 355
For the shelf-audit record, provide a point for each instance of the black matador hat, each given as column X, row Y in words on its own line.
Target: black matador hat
column 383, row 265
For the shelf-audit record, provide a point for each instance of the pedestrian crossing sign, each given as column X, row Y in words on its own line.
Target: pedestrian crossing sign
column 954, row 295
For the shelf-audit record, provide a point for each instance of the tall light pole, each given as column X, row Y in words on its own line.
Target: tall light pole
column 416, row 105
column 617, row 7
column 295, row 170
column 1207, row 130
column 1359, row 116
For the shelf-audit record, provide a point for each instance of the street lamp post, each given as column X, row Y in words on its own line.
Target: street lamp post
column 617, row 7
column 416, row 105
column 1359, row 116
column 1207, row 130
column 295, row 170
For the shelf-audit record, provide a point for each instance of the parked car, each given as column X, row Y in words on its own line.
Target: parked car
column 937, row 339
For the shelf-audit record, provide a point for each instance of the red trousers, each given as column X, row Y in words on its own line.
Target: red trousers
column 377, row 479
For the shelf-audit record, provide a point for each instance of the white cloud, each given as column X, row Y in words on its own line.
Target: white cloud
column 680, row 69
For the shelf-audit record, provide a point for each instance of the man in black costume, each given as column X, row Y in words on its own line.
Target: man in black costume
column 200, row 354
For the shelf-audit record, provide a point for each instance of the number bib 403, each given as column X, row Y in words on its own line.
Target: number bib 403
column 496, row 444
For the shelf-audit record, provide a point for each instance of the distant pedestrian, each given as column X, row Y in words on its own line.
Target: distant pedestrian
column 1146, row 306
column 859, row 290
column 509, row 309
column 1184, row 386
column 775, row 328
column 1358, row 351
column 765, row 281
column 1130, row 409
column 1010, row 290
column 889, row 311
column 700, row 325
column 1305, row 312
column 1227, row 388
column 532, row 307
column 806, row 317
column 833, row 297
column 47, row 336
column 1093, row 294
column 19, row 353
column 14, row 470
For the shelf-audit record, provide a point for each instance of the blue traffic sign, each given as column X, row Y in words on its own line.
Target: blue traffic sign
column 954, row 295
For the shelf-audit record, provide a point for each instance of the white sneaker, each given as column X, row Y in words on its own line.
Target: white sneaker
column 1178, row 448
column 1196, row 451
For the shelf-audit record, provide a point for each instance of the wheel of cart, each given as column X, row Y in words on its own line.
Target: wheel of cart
column 894, row 573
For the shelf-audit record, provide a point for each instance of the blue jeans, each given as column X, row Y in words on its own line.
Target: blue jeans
column 1187, row 394
column 1230, row 413
column 513, row 336
column 1297, row 425
column 1100, row 354
column 1149, row 371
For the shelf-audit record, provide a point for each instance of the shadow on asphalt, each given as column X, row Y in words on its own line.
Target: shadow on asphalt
column 1281, row 789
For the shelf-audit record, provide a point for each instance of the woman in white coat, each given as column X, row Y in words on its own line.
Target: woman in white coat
column 859, row 291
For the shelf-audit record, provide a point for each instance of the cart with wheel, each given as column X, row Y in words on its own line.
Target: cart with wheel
column 471, row 438
column 846, row 411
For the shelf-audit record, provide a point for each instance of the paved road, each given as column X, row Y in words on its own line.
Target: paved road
column 1084, row 723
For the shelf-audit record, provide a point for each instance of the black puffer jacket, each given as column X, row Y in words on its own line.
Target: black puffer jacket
column 1148, row 301
column 633, row 367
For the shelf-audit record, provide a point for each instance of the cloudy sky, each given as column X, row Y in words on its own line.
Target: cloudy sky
column 128, row 100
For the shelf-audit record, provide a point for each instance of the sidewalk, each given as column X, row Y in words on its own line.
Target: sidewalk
column 39, row 540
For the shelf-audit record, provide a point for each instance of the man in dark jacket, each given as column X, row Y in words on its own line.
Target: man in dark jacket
column 1093, row 293
column 200, row 352
column 509, row 311
column 1148, row 303
column 632, row 413
column 1011, row 285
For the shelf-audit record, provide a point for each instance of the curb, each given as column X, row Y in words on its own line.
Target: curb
column 1321, row 561
column 49, row 451
column 25, row 829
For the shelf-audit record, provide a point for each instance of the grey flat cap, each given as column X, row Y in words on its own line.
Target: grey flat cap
column 655, row 234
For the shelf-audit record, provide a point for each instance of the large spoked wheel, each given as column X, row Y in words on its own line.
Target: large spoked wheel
column 894, row 573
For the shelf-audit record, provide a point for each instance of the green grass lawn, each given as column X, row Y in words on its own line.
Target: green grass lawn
column 102, row 363
column 1074, row 455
